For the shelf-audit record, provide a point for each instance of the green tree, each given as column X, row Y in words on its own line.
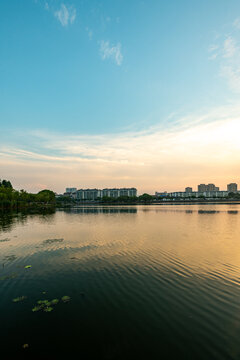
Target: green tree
column 145, row 198
column 46, row 196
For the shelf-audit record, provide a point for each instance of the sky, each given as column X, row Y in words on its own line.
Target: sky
column 119, row 93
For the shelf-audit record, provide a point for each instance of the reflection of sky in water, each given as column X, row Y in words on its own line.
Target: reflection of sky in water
column 151, row 274
column 203, row 238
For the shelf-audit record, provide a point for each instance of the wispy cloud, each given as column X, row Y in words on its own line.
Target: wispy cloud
column 236, row 23
column 113, row 52
column 89, row 32
column 65, row 14
column 227, row 52
column 229, row 47
column 156, row 158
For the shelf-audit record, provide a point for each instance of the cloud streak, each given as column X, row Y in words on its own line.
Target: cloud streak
column 227, row 52
column 203, row 147
column 113, row 52
column 65, row 15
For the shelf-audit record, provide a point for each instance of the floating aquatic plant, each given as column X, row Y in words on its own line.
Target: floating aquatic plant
column 27, row 266
column 47, row 305
column 54, row 301
column 8, row 277
column 42, row 302
column 9, row 258
column 20, row 298
column 51, row 241
column 4, row 240
column 66, row 298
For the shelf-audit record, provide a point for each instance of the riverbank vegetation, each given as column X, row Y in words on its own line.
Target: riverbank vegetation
column 14, row 199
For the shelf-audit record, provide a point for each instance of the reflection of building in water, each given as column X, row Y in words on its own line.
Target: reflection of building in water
column 101, row 210
column 208, row 211
column 94, row 194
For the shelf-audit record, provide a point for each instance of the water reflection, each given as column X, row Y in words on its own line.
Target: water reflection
column 208, row 212
column 102, row 210
column 160, row 283
column 8, row 219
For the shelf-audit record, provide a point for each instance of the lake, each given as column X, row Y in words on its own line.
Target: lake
column 153, row 282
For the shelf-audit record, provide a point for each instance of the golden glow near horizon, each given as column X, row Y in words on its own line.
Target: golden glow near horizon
column 195, row 149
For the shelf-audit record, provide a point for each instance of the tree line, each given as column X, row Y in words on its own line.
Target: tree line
column 14, row 199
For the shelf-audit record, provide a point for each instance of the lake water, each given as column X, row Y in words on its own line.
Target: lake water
column 159, row 282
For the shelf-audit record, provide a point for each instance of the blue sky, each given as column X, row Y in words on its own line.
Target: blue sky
column 79, row 74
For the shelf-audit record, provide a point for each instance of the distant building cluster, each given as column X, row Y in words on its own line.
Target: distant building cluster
column 95, row 194
column 208, row 191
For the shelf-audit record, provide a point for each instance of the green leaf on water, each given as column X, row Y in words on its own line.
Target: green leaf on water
column 20, row 298
column 7, row 277
column 9, row 258
column 54, row 301
column 36, row 308
column 48, row 309
column 4, row 240
column 51, row 241
column 27, row 266
column 66, row 298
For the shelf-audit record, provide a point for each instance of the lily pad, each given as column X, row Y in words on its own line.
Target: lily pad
column 54, row 301
column 66, row 298
column 4, row 240
column 8, row 277
column 10, row 258
column 42, row 301
column 27, row 266
column 20, row 298
column 48, row 309
column 52, row 241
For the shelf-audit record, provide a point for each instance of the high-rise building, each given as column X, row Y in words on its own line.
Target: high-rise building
column 71, row 190
column 188, row 190
column 212, row 187
column 94, row 194
column 202, row 187
column 232, row 187
column 209, row 187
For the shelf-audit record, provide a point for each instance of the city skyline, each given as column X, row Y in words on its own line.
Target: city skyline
column 119, row 94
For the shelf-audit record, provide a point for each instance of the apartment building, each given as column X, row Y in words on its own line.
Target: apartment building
column 232, row 187
column 95, row 194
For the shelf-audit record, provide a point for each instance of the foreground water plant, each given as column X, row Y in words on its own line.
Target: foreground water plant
column 8, row 277
column 47, row 305
column 20, row 298
column 10, row 257
column 52, row 241
column 4, row 240
column 66, row 298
